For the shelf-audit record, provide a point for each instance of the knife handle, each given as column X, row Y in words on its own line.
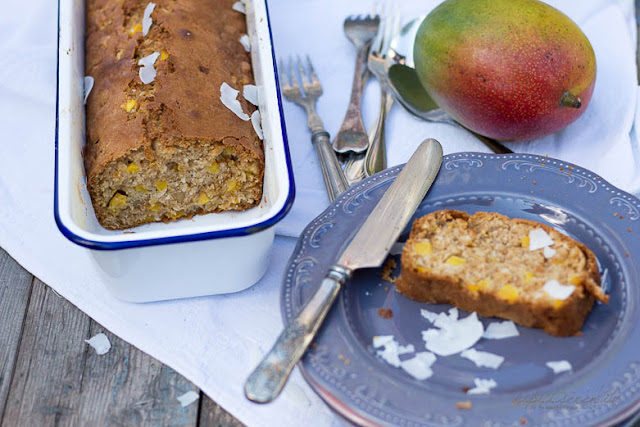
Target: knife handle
column 334, row 178
column 266, row 381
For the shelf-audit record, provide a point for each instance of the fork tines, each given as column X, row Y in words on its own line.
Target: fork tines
column 296, row 76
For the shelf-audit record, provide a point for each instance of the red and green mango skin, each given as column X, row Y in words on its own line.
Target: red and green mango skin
column 501, row 67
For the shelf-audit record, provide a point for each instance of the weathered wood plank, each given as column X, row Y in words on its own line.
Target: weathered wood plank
column 15, row 289
column 212, row 415
column 47, row 379
column 60, row 380
column 128, row 387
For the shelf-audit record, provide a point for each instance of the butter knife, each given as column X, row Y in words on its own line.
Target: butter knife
column 369, row 248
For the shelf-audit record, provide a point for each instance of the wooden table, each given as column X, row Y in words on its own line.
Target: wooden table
column 50, row 376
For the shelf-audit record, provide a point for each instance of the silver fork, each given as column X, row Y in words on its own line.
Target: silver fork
column 352, row 135
column 334, row 179
column 378, row 63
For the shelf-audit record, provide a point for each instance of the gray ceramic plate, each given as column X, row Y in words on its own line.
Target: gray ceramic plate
column 604, row 385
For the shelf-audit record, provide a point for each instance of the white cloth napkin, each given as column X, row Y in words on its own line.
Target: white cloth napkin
column 215, row 341
column 599, row 140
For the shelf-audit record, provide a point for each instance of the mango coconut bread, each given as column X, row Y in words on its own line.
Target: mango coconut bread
column 496, row 266
column 160, row 143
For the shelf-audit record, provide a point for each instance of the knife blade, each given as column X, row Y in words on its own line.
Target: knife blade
column 369, row 248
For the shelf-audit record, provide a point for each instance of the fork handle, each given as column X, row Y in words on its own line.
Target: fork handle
column 334, row 178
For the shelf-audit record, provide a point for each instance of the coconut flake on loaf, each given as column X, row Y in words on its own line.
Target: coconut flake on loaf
column 244, row 41
column 88, row 85
column 257, row 126
column 558, row 291
column 239, row 7
column 147, row 73
column 228, row 96
column 539, row 239
column 146, row 18
column 250, row 93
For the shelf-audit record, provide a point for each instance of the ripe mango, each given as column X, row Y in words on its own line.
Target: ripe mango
column 511, row 70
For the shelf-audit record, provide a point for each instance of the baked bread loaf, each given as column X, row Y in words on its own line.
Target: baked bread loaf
column 496, row 266
column 168, row 148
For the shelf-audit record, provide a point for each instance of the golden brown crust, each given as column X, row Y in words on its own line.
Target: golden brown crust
column 429, row 281
column 199, row 40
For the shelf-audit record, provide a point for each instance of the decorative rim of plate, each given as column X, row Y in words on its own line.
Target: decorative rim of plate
column 588, row 183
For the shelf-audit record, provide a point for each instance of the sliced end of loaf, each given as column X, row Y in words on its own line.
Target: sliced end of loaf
column 482, row 263
column 171, row 182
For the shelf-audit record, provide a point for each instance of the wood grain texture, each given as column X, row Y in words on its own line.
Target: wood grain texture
column 60, row 380
column 212, row 415
column 15, row 289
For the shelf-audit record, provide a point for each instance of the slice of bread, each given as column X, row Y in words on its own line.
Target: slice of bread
column 483, row 263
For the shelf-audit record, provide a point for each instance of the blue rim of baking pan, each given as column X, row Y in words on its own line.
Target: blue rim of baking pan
column 234, row 232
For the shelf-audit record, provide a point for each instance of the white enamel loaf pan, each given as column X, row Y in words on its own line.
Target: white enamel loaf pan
column 209, row 254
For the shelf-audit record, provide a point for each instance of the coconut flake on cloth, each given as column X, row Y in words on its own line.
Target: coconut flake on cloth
column 483, row 359
column 146, row 18
column 188, row 398
column 555, row 290
column 100, row 343
column 539, row 239
column 453, row 335
column 501, row 330
column 88, row 85
column 228, row 96
column 257, row 124
column 559, row 366
column 244, row 41
column 147, row 73
column 239, row 7
column 419, row 366
column 482, row 386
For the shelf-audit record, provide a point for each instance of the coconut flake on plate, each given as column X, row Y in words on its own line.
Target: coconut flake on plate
column 453, row 335
column 244, row 41
column 100, row 343
column 482, row 386
column 419, row 366
column 250, row 93
column 146, row 18
column 88, row 85
column 559, row 366
column 257, row 126
column 558, row 291
column 147, row 73
column 188, row 398
column 228, row 96
column 406, row 349
column 239, row 7
column 483, row 359
column 538, row 239
column 429, row 315
column 501, row 330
